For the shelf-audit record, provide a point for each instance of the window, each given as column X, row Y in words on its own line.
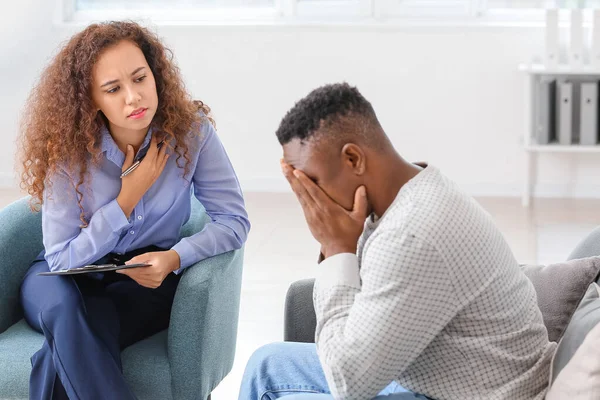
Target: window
column 329, row 11
column 426, row 8
column 533, row 10
column 171, row 10
column 533, row 4
column 520, row 4
column 89, row 5
column 336, row 9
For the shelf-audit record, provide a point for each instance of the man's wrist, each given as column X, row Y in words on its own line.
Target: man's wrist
column 340, row 269
column 335, row 249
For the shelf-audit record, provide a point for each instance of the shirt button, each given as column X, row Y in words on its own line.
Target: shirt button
column 132, row 232
column 140, row 217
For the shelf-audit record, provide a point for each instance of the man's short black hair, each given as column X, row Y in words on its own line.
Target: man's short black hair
column 326, row 108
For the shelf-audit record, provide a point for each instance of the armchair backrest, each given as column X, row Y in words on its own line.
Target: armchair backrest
column 20, row 243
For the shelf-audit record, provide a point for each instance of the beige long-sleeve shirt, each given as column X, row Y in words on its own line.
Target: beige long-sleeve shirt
column 434, row 300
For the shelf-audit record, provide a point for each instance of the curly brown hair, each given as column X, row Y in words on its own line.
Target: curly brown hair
column 60, row 114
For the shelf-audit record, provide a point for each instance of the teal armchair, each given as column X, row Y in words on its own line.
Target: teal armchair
column 185, row 361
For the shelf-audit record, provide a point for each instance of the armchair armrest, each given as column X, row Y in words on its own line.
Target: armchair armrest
column 203, row 327
column 20, row 243
column 300, row 320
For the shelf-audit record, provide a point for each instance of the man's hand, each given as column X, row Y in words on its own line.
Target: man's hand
column 331, row 225
column 162, row 264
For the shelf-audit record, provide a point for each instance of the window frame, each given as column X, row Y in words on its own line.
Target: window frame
column 360, row 13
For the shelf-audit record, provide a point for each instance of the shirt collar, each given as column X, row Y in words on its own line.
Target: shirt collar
column 109, row 146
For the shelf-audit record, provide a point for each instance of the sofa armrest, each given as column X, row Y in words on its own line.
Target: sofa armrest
column 203, row 327
column 20, row 243
column 300, row 320
column 588, row 247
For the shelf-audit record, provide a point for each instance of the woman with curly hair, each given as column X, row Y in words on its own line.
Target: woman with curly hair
column 111, row 94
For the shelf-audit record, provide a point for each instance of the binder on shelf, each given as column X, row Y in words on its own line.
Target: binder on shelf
column 575, row 110
column 589, row 114
column 565, row 113
column 576, row 38
column 546, row 128
column 552, row 42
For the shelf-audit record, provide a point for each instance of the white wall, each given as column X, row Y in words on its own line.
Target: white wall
column 450, row 96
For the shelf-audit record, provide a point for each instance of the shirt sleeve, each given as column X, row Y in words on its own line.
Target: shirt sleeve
column 371, row 326
column 66, row 244
column 216, row 186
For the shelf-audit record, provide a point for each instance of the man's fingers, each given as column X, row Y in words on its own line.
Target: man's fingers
column 317, row 194
column 361, row 204
column 287, row 172
column 298, row 188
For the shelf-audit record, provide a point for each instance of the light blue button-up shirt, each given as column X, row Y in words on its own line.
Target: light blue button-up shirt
column 156, row 219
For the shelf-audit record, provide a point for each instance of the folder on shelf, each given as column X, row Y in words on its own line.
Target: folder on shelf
column 564, row 113
column 595, row 47
column 589, row 114
column 576, row 111
column 546, row 128
column 551, row 41
column 576, row 38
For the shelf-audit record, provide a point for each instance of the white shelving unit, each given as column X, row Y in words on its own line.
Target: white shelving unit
column 534, row 73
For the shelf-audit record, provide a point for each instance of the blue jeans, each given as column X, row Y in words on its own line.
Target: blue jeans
column 294, row 370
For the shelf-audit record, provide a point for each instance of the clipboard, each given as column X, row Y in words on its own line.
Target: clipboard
column 92, row 268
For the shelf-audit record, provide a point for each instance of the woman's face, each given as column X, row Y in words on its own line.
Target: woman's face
column 123, row 88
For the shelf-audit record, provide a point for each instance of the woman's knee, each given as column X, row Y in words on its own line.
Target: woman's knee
column 60, row 314
column 54, row 295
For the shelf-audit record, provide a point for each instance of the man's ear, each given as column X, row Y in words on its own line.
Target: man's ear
column 354, row 157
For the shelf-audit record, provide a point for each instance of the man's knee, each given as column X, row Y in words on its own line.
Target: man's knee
column 270, row 357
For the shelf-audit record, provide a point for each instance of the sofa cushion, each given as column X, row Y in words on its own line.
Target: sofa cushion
column 559, row 288
column 576, row 365
column 586, row 317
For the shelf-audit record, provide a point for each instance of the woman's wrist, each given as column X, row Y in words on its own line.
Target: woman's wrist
column 125, row 205
column 176, row 263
